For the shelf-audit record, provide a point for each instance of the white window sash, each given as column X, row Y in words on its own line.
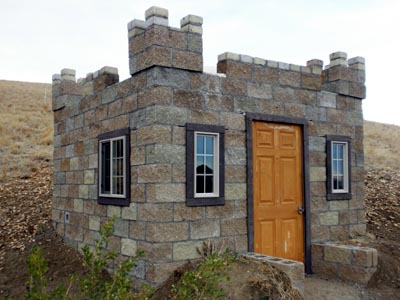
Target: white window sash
column 215, row 193
column 111, row 140
column 345, row 175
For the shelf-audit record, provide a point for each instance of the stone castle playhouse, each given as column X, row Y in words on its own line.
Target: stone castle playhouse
column 264, row 157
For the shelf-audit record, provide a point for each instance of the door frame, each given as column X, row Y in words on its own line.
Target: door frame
column 303, row 124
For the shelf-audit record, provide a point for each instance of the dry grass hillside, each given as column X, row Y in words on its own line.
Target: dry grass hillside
column 382, row 147
column 26, row 131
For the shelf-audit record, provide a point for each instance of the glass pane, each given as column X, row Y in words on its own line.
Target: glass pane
column 200, row 144
column 334, row 151
column 210, row 145
column 115, row 185
column 340, row 183
column 334, row 167
column 209, row 165
column 200, row 165
column 105, row 168
column 340, row 167
column 340, row 151
column 199, row 184
column 118, row 148
column 209, row 184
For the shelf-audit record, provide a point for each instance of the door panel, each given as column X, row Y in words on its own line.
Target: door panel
column 266, row 167
column 277, row 171
column 269, row 228
column 288, row 180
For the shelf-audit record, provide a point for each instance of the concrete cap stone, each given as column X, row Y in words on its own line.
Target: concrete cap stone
column 338, row 62
column 272, row 63
column 68, row 74
column 228, row 55
column 135, row 23
column 56, row 77
column 156, row 20
column 135, row 31
column 246, row 58
column 338, row 55
column 305, row 69
column 108, row 70
column 191, row 19
column 259, row 61
column 193, row 28
column 315, row 63
column 356, row 60
column 67, row 71
column 284, row 66
column 156, row 11
column 294, row 68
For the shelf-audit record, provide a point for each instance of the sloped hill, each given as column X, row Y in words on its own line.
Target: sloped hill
column 381, row 145
column 26, row 131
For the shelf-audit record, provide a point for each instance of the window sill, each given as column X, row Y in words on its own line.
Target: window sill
column 210, row 201
column 113, row 201
column 339, row 196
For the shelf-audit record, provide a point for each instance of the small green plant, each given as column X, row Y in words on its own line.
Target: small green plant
column 37, row 289
column 96, row 283
column 202, row 283
column 37, row 267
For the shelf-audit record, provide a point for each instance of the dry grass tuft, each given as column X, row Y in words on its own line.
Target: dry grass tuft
column 381, row 145
column 26, row 127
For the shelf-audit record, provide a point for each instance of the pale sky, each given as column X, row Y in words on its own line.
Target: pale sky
column 39, row 38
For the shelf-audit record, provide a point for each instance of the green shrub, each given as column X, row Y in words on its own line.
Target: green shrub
column 96, row 284
column 202, row 283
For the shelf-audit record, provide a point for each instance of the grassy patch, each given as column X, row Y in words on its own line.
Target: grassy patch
column 26, row 127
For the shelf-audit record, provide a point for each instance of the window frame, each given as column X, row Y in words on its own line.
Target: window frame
column 218, row 195
column 115, row 199
column 345, row 193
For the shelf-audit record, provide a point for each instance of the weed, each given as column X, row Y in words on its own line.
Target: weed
column 202, row 283
column 95, row 284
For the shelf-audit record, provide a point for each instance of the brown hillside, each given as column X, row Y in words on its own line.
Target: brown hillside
column 26, row 131
column 382, row 147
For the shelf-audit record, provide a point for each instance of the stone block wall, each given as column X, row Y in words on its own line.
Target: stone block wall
column 345, row 262
column 165, row 93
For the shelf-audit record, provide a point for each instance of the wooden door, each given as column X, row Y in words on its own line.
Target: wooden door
column 278, row 192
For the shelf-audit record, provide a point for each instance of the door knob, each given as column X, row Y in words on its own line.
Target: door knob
column 300, row 210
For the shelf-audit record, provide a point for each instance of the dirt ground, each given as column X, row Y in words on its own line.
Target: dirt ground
column 248, row 280
column 25, row 222
column 63, row 261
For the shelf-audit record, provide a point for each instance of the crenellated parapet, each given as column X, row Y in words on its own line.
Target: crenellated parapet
column 345, row 77
column 153, row 43
column 342, row 76
column 70, row 96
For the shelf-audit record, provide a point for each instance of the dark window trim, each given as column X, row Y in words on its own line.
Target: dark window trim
column 191, row 128
column 329, row 194
column 303, row 123
column 111, row 200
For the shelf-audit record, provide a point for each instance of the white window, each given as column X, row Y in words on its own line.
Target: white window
column 206, row 165
column 112, row 169
column 340, row 161
column 338, row 167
